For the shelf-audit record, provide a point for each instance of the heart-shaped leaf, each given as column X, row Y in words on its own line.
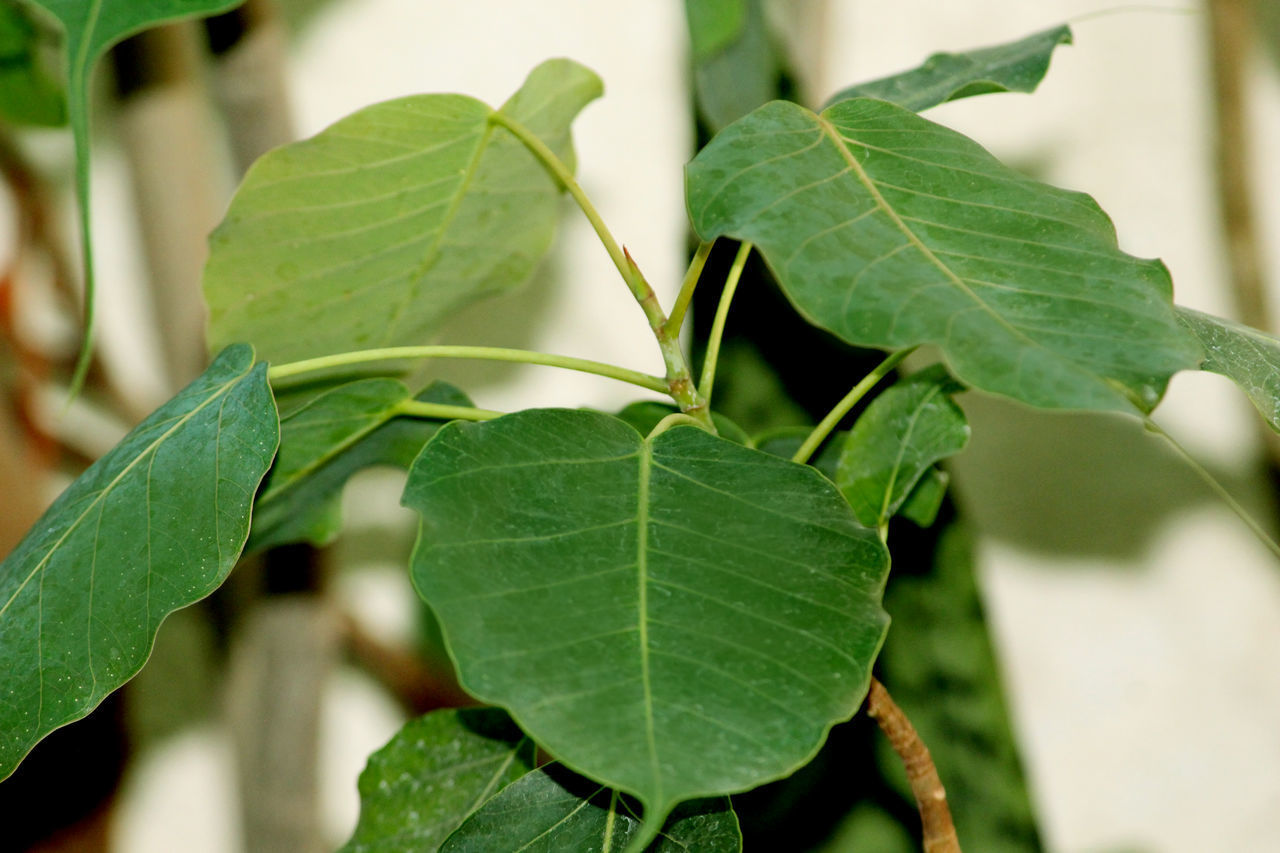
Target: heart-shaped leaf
column 436, row 770
column 1246, row 356
column 553, row 810
column 152, row 526
column 676, row 617
column 896, row 440
column 1016, row 66
column 892, row 231
column 373, row 231
column 325, row 441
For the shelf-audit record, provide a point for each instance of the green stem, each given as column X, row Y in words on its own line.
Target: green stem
column 823, row 429
column 1218, row 489
column 691, row 276
column 419, row 409
column 707, row 382
column 345, row 359
column 679, row 380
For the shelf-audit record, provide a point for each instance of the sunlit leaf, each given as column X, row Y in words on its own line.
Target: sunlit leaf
column 552, row 810
column 330, row 438
column 152, row 526
column 892, row 231
column 373, row 231
column 28, row 95
column 436, row 770
column 896, row 440
column 1016, row 66
column 1246, row 356
column 675, row 617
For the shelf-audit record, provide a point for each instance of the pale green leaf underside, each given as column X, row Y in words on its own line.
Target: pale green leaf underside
column 892, row 231
column 435, row 771
column 675, row 618
column 327, row 440
column 551, row 811
column 1246, row 356
column 896, row 440
column 1016, row 66
column 153, row 526
column 373, row 231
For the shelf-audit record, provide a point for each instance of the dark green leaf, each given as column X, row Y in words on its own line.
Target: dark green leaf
column 741, row 75
column 28, row 95
column 713, row 24
column 892, row 231
column 646, row 415
column 324, row 442
column 785, row 441
column 1016, row 66
column 373, row 231
column 1246, row 356
column 152, row 526
column 896, row 440
column 674, row 617
column 925, row 500
column 436, row 770
column 552, row 810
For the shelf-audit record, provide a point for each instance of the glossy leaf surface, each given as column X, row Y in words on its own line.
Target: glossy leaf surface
column 552, row 810
column 373, row 231
column 152, row 526
column 1246, row 356
column 892, row 231
column 436, row 771
column 327, row 440
column 896, row 440
column 1016, row 66
column 675, row 617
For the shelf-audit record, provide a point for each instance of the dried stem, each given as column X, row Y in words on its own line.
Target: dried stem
column 931, row 797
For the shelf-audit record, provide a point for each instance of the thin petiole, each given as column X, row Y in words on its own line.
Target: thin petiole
column 1218, row 489
column 582, row 365
column 420, row 409
column 823, row 429
column 707, row 382
column 691, row 276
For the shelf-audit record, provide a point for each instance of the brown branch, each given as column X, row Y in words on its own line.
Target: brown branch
column 931, row 797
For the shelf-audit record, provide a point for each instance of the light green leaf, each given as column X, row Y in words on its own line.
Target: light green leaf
column 91, row 27
column 330, row 438
column 1016, row 66
column 372, row 232
column 553, row 810
column 896, row 440
column 28, row 95
column 152, row 526
column 713, row 24
column 892, row 231
column 925, row 500
column 1246, row 356
column 436, row 770
column 676, row 617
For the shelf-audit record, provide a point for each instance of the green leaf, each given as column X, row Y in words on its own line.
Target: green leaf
column 330, row 438
column 552, row 810
column 713, row 24
column 741, row 74
column 28, row 95
column 152, row 526
column 372, row 232
column 925, row 500
column 1016, row 66
column 1246, row 356
column 896, row 440
column 435, row 771
column 675, row 617
column 646, row 414
column 91, row 27
column 892, row 231
column 784, row 441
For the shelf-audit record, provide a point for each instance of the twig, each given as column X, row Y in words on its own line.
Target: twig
column 931, row 797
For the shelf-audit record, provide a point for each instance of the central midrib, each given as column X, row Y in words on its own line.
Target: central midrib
column 645, row 457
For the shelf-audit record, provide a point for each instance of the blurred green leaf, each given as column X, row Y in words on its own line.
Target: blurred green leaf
column 742, row 72
column 925, row 500
column 714, row 24
column 28, row 95
column 1248, row 357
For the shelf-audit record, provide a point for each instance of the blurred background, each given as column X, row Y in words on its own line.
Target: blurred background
column 1126, row 624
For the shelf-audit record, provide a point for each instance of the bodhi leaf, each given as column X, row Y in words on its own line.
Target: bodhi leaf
column 436, row 770
column 154, row 525
column 1016, row 66
column 675, row 617
column 1246, row 356
column 896, row 440
column 327, row 440
column 28, row 95
column 373, row 231
column 552, row 810
column 892, row 231
column 741, row 71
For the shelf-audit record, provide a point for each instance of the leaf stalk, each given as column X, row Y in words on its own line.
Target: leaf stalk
column 828, row 423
